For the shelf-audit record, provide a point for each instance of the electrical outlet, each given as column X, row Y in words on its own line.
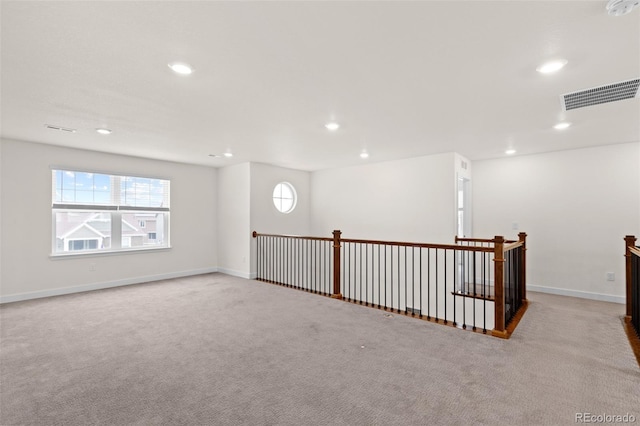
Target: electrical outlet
column 611, row 276
column 92, row 266
column 515, row 226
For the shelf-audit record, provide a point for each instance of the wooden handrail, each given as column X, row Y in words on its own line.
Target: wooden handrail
column 635, row 250
column 473, row 240
column 298, row 237
column 480, row 240
column 382, row 242
column 421, row 245
column 513, row 245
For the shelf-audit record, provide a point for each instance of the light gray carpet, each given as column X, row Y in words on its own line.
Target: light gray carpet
column 219, row 350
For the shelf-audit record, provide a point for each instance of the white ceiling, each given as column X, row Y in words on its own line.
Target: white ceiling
column 404, row 79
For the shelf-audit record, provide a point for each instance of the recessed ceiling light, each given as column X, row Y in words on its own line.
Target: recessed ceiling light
column 364, row 154
column 181, row 68
column 333, row 126
column 552, row 66
column 228, row 154
column 562, row 126
column 621, row 7
column 103, row 131
column 510, row 151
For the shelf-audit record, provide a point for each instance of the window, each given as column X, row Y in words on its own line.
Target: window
column 95, row 212
column 151, row 235
column 284, row 197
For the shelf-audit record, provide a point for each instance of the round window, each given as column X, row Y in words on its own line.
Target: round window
column 284, row 197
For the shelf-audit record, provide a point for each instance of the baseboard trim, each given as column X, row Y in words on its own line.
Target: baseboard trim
column 99, row 286
column 578, row 293
column 239, row 274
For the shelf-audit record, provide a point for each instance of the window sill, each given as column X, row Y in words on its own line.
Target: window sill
column 100, row 253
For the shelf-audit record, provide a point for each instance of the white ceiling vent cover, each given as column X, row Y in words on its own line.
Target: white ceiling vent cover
column 600, row 95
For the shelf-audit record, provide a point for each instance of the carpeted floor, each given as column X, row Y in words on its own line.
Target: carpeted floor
column 219, row 350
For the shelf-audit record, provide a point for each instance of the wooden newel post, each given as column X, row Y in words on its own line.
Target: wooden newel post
column 629, row 242
column 522, row 237
column 498, row 267
column 336, row 265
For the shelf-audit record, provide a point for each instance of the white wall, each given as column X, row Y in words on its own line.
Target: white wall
column 245, row 200
column 265, row 218
column 27, row 268
column 576, row 207
column 234, row 224
column 404, row 200
column 1, row 223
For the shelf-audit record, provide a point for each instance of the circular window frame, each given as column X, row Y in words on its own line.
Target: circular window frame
column 277, row 201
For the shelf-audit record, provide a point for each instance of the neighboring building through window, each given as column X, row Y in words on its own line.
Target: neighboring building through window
column 95, row 212
column 284, row 197
column 83, row 245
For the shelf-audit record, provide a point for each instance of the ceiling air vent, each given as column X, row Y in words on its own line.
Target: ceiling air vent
column 600, row 95
column 62, row 129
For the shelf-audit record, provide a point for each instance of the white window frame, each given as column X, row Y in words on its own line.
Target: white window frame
column 116, row 211
column 277, row 200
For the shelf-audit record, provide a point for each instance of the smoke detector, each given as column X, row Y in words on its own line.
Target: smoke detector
column 621, row 7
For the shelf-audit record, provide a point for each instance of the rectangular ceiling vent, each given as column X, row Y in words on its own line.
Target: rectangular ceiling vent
column 62, row 129
column 600, row 95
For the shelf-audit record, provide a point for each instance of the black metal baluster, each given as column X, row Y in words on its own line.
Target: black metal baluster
column 324, row 267
column 444, row 297
column 475, row 283
column 437, row 279
column 455, row 288
column 385, row 276
column 360, row 275
column 405, row 278
column 349, row 274
column 463, row 298
column 398, row 310
column 300, row 261
column 428, row 283
column 344, row 269
column 420, row 252
column 323, row 272
column 485, row 282
column 413, row 281
column 313, row 265
column 310, row 266
column 379, row 245
column 391, row 277
column 366, row 274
